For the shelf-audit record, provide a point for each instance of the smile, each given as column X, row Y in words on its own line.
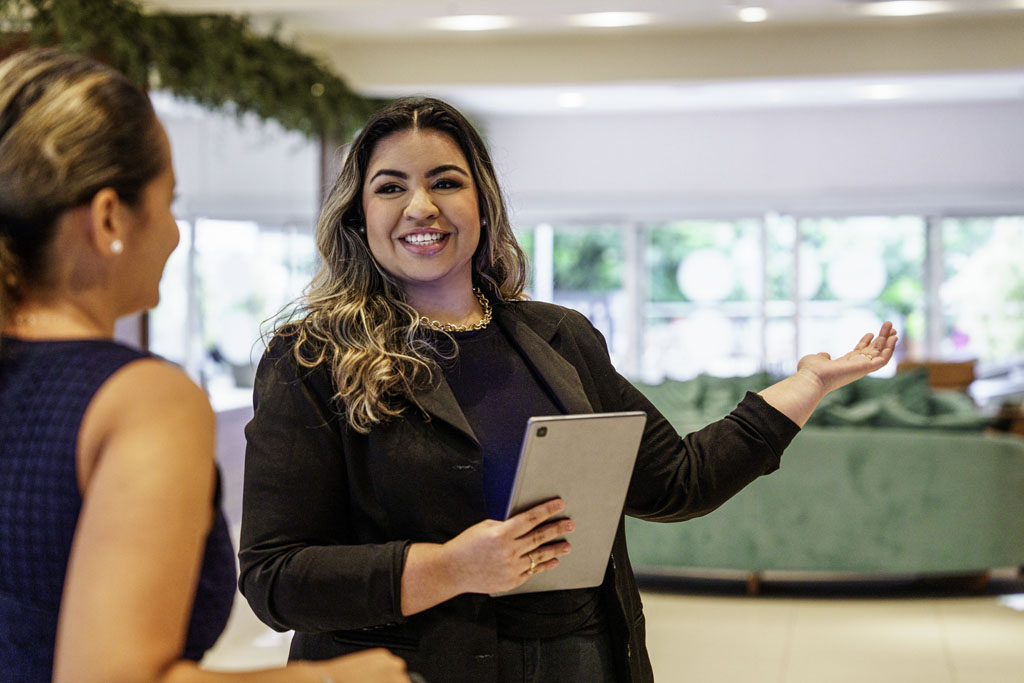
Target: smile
column 425, row 238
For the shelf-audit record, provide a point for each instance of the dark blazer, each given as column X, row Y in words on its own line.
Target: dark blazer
column 328, row 513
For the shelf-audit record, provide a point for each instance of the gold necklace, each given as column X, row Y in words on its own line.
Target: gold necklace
column 452, row 327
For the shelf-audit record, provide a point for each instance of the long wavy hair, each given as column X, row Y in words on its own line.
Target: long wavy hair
column 354, row 315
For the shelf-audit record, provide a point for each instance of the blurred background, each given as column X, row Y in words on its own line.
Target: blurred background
column 721, row 187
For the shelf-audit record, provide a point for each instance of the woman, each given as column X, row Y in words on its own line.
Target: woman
column 115, row 561
column 390, row 412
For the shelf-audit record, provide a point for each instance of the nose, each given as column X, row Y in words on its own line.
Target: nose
column 421, row 207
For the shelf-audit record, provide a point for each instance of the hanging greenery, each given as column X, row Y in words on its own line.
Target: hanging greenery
column 216, row 60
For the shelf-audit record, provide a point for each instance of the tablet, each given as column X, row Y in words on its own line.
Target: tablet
column 587, row 460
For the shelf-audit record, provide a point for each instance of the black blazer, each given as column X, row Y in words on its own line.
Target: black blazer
column 328, row 513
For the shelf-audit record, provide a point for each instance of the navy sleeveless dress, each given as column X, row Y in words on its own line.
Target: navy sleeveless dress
column 45, row 388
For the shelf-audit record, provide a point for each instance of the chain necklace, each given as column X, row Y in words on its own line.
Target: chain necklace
column 452, row 327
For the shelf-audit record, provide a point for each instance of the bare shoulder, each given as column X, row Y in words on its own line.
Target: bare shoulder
column 147, row 408
column 153, row 390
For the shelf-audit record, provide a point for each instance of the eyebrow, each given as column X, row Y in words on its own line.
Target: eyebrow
column 430, row 174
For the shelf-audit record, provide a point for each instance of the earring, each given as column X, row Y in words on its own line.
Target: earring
column 483, row 222
column 361, row 230
column 116, row 247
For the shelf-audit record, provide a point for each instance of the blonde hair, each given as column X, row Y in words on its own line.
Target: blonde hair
column 354, row 316
column 69, row 127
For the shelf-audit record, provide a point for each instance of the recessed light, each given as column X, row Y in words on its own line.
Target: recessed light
column 472, row 22
column 571, row 100
column 904, row 8
column 612, row 19
column 753, row 14
column 882, row 91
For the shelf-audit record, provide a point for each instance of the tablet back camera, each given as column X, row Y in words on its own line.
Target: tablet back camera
column 542, row 431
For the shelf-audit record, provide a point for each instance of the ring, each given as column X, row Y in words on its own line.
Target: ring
column 533, row 564
column 868, row 356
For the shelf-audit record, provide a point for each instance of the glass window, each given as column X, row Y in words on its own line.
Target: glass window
column 705, row 282
column 982, row 293
column 582, row 267
column 169, row 321
column 856, row 272
column 243, row 274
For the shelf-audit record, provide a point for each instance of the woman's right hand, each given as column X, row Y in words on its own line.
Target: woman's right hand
column 368, row 666
column 493, row 556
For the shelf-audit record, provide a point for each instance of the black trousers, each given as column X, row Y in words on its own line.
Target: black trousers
column 584, row 656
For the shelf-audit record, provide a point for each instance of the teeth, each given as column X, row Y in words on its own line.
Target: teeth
column 424, row 238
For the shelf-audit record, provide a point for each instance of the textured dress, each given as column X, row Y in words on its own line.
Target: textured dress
column 45, row 388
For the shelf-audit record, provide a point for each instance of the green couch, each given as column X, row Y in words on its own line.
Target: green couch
column 889, row 477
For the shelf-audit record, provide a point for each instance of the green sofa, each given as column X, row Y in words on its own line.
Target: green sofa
column 889, row 477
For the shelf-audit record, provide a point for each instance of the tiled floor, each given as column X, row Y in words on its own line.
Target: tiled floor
column 710, row 632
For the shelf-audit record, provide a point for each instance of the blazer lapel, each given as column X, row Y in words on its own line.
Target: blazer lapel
column 534, row 342
column 439, row 401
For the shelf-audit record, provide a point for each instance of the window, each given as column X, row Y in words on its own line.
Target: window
column 982, row 293
column 855, row 273
column 732, row 297
column 241, row 274
column 705, row 284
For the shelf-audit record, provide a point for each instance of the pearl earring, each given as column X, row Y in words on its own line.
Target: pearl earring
column 116, row 247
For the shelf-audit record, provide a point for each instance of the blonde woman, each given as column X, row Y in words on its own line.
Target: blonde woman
column 115, row 561
column 388, row 418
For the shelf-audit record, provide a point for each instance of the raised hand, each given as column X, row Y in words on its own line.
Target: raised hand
column 817, row 374
column 871, row 353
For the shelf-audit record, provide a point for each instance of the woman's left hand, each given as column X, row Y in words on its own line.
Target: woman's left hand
column 798, row 395
column 871, row 353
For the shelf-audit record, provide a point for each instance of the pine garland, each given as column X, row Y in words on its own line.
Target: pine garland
column 215, row 60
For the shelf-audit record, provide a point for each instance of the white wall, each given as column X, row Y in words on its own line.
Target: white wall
column 241, row 168
column 882, row 157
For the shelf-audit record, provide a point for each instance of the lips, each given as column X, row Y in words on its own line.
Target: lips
column 427, row 242
column 424, row 238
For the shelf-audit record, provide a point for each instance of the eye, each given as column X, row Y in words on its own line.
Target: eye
column 388, row 188
column 447, row 184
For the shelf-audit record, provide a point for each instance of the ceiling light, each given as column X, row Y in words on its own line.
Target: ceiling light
column 753, row 14
column 571, row 100
column 904, row 8
column 471, row 22
column 612, row 19
column 882, row 91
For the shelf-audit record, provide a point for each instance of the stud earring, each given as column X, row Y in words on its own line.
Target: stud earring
column 483, row 222
column 116, row 247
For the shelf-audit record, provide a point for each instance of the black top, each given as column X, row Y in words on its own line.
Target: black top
column 45, row 388
column 498, row 392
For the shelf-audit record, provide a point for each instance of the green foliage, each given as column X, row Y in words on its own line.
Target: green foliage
column 215, row 60
column 588, row 260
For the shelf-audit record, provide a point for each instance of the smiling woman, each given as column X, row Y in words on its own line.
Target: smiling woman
column 388, row 417
column 423, row 221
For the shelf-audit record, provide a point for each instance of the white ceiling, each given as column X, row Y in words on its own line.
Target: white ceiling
column 365, row 34
column 415, row 17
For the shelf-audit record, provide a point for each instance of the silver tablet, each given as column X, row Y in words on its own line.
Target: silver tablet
column 587, row 460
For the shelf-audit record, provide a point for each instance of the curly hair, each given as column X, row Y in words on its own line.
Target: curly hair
column 354, row 315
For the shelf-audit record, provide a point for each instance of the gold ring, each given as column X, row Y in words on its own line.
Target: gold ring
column 868, row 356
column 533, row 564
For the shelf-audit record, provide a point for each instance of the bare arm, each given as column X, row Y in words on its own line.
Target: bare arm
column 797, row 396
column 147, row 443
